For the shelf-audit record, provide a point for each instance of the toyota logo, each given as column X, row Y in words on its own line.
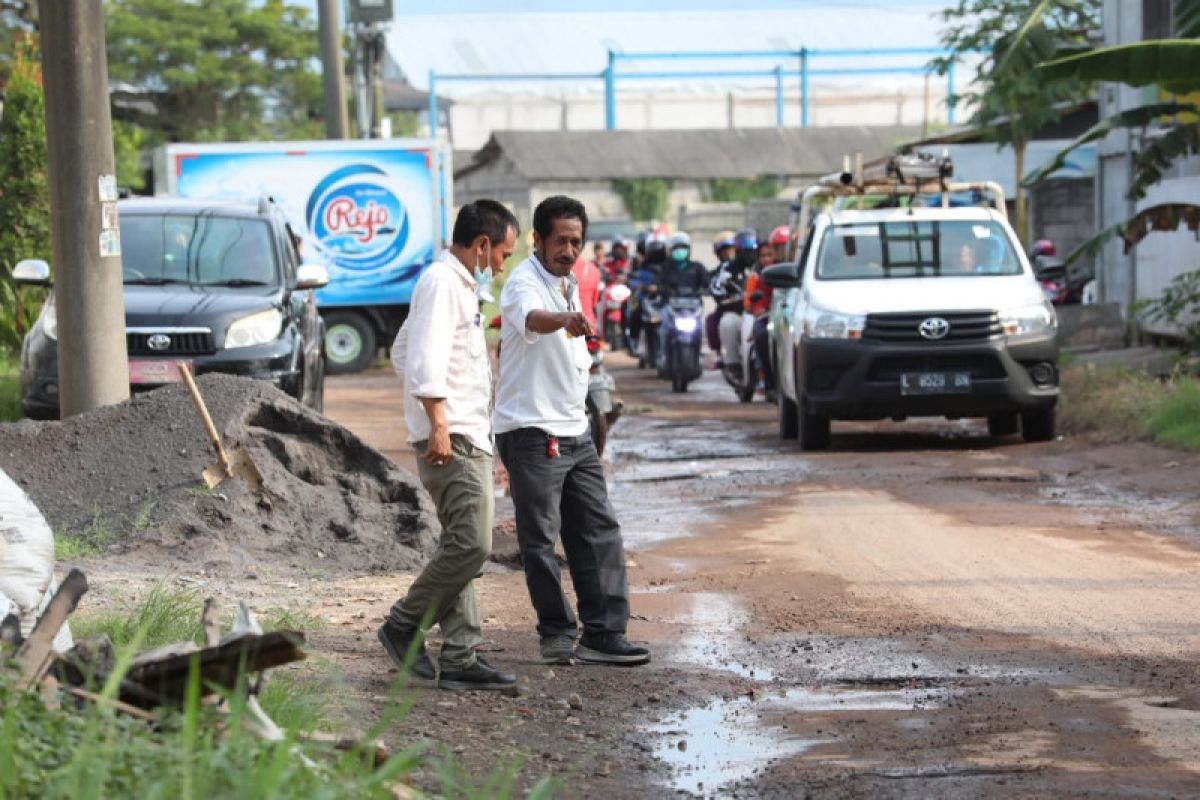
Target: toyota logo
column 159, row 341
column 934, row 328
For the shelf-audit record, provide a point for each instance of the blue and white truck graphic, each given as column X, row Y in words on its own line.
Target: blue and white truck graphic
column 375, row 212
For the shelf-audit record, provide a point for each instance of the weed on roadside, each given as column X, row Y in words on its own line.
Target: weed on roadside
column 10, row 390
column 1127, row 405
column 1176, row 423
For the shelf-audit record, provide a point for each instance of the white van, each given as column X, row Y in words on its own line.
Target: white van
column 912, row 311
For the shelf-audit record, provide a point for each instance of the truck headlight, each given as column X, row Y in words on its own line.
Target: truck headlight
column 50, row 321
column 822, row 324
column 258, row 328
column 1031, row 319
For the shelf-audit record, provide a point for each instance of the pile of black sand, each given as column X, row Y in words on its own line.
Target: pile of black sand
column 128, row 478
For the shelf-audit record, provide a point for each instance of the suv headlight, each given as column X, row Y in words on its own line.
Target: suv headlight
column 50, row 320
column 258, row 328
column 822, row 324
column 1031, row 319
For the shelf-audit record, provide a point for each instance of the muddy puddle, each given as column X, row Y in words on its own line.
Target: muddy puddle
column 727, row 741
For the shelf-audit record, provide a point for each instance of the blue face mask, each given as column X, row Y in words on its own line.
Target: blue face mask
column 680, row 255
column 483, row 280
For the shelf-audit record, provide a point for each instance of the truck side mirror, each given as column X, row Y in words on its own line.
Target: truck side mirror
column 782, row 276
column 31, row 272
column 311, row 276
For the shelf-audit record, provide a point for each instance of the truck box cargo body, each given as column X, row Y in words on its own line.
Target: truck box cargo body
column 375, row 212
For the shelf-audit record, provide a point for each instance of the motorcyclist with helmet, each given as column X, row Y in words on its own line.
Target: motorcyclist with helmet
column 758, row 303
column 681, row 276
column 727, row 288
column 643, row 283
column 618, row 258
column 723, row 249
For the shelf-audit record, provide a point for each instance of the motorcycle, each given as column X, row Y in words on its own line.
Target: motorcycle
column 1063, row 284
column 679, row 356
column 649, row 310
column 603, row 410
column 614, row 300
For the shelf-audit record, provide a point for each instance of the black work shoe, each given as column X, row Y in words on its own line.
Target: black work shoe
column 611, row 648
column 410, row 659
column 480, row 675
column 558, row 648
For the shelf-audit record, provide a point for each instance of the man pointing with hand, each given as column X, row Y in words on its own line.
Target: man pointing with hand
column 555, row 476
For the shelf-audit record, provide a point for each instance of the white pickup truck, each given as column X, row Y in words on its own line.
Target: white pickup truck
column 914, row 309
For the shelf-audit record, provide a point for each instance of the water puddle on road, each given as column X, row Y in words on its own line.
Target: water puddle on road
column 726, row 741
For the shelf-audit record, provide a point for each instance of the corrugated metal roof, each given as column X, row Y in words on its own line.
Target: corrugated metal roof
column 542, row 42
column 685, row 155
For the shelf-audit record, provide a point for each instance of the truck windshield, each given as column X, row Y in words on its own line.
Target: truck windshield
column 198, row 249
column 917, row 248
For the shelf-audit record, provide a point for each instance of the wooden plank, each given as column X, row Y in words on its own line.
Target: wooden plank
column 167, row 678
column 36, row 654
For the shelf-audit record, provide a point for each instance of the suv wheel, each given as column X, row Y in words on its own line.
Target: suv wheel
column 349, row 342
column 789, row 425
column 1038, row 426
column 813, row 431
column 1003, row 424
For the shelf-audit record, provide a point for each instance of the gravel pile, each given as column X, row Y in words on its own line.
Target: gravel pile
column 128, row 478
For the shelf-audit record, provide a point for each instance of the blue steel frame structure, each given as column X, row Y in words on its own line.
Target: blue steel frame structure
column 611, row 74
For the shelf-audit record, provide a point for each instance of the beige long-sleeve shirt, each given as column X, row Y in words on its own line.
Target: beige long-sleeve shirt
column 441, row 353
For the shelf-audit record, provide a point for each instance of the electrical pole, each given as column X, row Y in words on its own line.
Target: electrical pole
column 93, row 366
column 329, row 25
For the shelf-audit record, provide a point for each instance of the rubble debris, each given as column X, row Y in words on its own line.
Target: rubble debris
column 127, row 478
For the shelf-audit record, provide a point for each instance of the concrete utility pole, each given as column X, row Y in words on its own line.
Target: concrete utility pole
column 329, row 25
column 93, row 367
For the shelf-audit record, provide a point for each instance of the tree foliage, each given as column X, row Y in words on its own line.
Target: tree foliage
column 1169, row 130
column 734, row 190
column 24, row 194
column 1011, row 101
column 215, row 70
column 645, row 198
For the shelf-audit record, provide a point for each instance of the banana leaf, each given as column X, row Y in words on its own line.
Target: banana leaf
column 1162, row 217
column 1160, row 153
column 1139, row 117
column 1173, row 64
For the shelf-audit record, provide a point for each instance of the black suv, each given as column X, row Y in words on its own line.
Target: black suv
column 217, row 285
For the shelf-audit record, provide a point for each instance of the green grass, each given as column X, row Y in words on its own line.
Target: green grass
column 197, row 752
column 99, row 534
column 10, row 389
column 1176, row 423
column 1123, row 405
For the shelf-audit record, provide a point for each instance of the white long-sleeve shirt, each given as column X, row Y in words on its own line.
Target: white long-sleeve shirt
column 441, row 353
column 543, row 378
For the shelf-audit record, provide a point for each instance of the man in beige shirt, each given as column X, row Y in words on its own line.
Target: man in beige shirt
column 442, row 355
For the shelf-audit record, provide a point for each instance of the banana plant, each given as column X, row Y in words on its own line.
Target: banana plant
column 1172, row 127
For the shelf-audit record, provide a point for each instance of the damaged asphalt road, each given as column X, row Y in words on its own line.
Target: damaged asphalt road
column 920, row 612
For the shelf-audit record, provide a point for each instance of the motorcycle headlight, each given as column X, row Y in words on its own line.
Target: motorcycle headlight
column 258, row 328
column 820, row 323
column 1031, row 319
column 50, row 320
column 686, row 324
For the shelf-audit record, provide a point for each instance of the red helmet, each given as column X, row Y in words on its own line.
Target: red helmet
column 780, row 235
column 1042, row 247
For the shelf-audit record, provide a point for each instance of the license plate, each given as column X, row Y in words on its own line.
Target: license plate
column 143, row 372
column 935, row 383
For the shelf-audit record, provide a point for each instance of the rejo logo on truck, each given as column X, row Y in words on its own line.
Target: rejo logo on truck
column 356, row 219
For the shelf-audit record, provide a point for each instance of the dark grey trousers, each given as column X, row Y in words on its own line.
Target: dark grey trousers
column 566, row 495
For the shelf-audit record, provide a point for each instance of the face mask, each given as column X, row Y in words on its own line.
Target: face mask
column 680, row 254
column 483, row 278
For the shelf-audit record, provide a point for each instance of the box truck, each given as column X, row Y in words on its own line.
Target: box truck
column 374, row 212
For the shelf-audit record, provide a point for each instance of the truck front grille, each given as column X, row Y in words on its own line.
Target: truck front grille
column 180, row 344
column 965, row 326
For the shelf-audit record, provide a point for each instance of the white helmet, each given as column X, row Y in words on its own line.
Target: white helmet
column 680, row 239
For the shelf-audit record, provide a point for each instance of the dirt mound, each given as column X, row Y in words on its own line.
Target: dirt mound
column 127, row 477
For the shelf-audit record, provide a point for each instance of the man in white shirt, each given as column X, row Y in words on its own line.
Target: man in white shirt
column 555, row 477
column 442, row 356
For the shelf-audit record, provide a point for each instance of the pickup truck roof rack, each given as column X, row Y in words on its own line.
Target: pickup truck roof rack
column 910, row 175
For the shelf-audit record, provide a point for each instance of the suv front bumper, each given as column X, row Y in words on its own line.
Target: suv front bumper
column 843, row 379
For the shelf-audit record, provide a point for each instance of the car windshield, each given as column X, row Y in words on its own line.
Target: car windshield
column 916, row 248
column 198, row 249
